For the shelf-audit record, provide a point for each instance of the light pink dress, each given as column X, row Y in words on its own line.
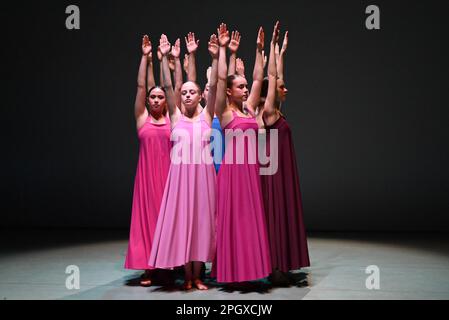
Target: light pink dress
column 185, row 229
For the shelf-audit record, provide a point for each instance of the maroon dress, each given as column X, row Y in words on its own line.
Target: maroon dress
column 283, row 205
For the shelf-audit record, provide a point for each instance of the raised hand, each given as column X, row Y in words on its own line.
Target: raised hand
column 146, row 45
column 260, row 39
column 235, row 41
column 240, row 67
column 176, row 49
column 213, row 46
column 223, row 35
column 191, row 43
column 164, row 45
column 285, row 43
column 275, row 37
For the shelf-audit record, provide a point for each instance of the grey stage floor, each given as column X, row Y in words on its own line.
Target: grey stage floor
column 411, row 266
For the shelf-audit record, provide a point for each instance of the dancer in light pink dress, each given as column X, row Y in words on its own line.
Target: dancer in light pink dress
column 153, row 130
column 185, row 231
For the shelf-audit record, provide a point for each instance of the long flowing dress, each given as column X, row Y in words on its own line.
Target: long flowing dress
column 185, row 229
column 242, row 241
column 149, row 184
column 283, row 205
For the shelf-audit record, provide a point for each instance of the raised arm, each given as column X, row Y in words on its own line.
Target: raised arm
column 159, row 57
column 233, row 47
column 192, row 46
column 269, row 108
column 280, row 60
column 223, row 40
column 254, row 97
column 150, row 72
column 166, row 77
column 176, row 52
column 140, row 111
column 185, row 64
column 214, row 51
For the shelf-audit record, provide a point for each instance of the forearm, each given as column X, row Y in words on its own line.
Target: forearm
column 139, row 105
column 272, row 78
column 191, row 74
column 254, row 97
column 232, row 64
column 167, row 84
column 212, row 94
column 150, row 75
column 280, row 66
column 258, row 66
column 142, row 72
column 178, row 81
column 161, row 78
column 220, row 103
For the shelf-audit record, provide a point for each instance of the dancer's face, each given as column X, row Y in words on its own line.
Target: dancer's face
column 282, row 90
column 239, row 90
column 157, row 100
column 190, row 95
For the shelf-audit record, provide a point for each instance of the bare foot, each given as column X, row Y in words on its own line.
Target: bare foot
column 200, row 285
column 145, row 279
column 187, row 285
column 145, row 282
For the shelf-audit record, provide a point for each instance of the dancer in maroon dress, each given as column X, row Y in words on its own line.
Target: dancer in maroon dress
column 282, row 194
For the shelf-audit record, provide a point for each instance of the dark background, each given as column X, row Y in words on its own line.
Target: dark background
column 368, row 109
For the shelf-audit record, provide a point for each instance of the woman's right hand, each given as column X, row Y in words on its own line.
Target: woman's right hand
column 223, row 35
column 146, row 45
column 164, row 45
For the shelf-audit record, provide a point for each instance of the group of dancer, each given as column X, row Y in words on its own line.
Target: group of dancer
column 249, row 226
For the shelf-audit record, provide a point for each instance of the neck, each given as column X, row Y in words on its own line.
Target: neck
column 156, row 115
column 236, row 105
column 191, row 113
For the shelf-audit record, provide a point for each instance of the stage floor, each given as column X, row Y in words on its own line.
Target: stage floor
column 411, row 266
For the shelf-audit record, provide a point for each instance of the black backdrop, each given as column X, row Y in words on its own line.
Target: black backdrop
column 368, row 109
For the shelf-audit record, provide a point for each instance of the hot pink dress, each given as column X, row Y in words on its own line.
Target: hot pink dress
column 242, row 242
column 185, row 229
column 149, row 184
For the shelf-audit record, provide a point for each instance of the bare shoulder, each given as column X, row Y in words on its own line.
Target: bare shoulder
column 141, row 119
column 226, row 117
column 174, row 118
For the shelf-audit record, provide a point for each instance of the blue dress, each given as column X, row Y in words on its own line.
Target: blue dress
column 216, row 126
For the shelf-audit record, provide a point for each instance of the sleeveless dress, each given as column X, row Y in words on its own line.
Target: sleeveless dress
column 283, row 205
column 242, row 240
column 185, row 229
column 149, row 184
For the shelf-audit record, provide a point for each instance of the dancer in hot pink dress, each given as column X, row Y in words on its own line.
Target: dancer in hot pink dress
column 153, row 130
column 185, row 231
column 242, row 240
